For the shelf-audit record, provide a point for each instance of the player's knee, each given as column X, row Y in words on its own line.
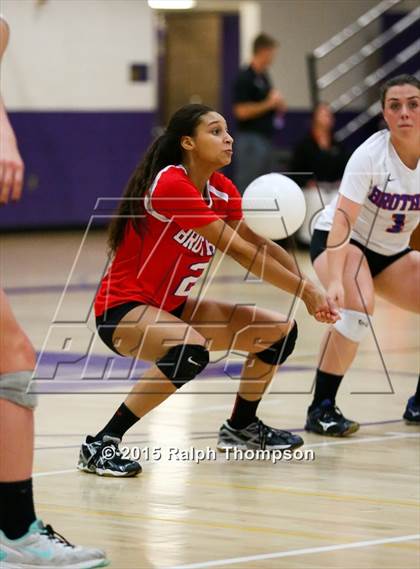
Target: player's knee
column 354, row 325
column 280, row 350
column 27, row 354
column 360, row 300
column 19, row 350
column 16, row 387
column 183, row 363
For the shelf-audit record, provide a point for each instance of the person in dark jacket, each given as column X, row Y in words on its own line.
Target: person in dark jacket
column 256, row 105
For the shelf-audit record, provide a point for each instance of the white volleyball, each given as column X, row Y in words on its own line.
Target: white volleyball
column 274, row 206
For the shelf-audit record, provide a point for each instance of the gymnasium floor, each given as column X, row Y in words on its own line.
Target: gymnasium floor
column 355, row 504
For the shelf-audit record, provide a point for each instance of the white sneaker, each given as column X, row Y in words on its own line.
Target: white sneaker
column 42, row 548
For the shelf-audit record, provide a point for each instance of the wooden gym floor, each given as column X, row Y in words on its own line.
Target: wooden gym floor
column 347, row 503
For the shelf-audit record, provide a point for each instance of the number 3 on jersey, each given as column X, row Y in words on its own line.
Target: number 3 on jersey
column 188, row 282
column 399, row 221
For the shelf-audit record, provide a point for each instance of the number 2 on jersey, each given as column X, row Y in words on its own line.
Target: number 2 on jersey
column 399, row 221
column 188, row 282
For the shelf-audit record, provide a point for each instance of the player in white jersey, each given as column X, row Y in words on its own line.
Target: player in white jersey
column 24, row 540
column 360, row 247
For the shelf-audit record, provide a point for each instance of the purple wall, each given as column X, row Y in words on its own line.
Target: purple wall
column 229, row 62
column 71, row 159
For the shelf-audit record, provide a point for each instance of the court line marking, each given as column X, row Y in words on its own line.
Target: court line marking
column 192, row 522
column 211, row 435
column 81, row 513
column 303, row 493
column 398, row 433
column 53, row 472
column 297, row 552
column 386, row 437
column 272, row 401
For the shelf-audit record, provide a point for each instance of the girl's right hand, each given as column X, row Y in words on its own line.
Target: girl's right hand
column 319, row 305
column 336, row 293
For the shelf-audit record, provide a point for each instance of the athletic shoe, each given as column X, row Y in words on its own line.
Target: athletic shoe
column 257, row 435
column 42, row 548
column 328, row 420
column 412, row 412
column 104, row 458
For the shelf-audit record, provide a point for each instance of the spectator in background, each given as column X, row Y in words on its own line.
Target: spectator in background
column 317, row 165
column 255, row 107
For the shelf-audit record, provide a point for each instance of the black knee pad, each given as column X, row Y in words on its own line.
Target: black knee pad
column 182, row 363
column 280, row 350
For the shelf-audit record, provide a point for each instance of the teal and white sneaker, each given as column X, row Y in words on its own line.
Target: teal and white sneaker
column 43, row 548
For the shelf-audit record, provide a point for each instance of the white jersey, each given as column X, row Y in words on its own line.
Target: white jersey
column 388, row 191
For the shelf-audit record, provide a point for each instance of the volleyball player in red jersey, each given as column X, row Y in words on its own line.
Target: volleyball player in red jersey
column 176, row 211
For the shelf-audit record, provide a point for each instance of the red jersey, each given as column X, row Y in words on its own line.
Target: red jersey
column 160, row 264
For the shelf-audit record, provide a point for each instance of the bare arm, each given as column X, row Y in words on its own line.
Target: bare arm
column 4, row 36
column 251, row 110
column 254, row 259
column 271, row 248
column 248, row 111
column 11, row 164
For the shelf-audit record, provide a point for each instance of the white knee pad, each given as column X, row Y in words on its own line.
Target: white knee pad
column 353, row 325
column 15, row 387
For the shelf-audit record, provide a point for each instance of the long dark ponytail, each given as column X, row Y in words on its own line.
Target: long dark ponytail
column 165, row 150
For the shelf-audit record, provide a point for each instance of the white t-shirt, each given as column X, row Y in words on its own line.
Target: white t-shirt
column 389, row 192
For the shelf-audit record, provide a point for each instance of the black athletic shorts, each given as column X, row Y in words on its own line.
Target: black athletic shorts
column 377, row 262
column 109, row 320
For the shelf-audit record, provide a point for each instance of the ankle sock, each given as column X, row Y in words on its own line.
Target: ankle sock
column 244, row 413
column 326, row 387
column 16, row 508
column 119, row 424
